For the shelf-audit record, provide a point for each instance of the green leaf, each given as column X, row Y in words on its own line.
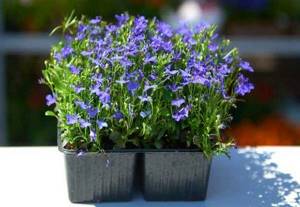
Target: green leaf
column 50, row 113
column 55, row 30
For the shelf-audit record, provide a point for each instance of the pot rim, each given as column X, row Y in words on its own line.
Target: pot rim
column 138, row 150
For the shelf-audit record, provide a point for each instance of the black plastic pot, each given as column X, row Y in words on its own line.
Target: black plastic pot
column 175, row 175
column 96, row 177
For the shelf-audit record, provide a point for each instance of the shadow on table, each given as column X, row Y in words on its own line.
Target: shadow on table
column 247, row 179
column 252, row 179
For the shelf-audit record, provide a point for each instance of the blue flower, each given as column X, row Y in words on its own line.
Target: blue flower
column 96, row 20
column 81, row 104
column 94, row 32
column 246, row 66
column 98, row 78
column 182, row 114
column 132, row 75
column 157, row 43
column 66, row 51
column 213, row 47
column 111, row 28
column 177, row 102
column 201, row 26
column 97, row 63
column 186, row 33
column 74, row 70
column 132, row 86
column 170, row 72
column 86, row 53
column 153, row 76
column 93, row 135
column 131, row 49
column 122, row 18
column 125, row 62
column 198, row 79
column 84, row 123
column 164, row 29
column 78, row 88
column 81, row 31
column 118, row 115
column 243, row 85
column 68, row 39
column 147, row 86
column 101, row 124
column 95, row 89
column 173, row 87
column 144, row 114
column 57, row 56
column 140, row 25
column 144, row 98
column 176, row 56
column 104, row 97
column 167, row 46
column 92, row 111
column 224, row 69
column 140, row 75
column 228, row 59
column 149, row 59
column 186, row 77
column 80, row 153
column 50, row 99
column 72, row 119
column 224, row 91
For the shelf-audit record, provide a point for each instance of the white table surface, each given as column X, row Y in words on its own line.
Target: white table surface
column 263, row 176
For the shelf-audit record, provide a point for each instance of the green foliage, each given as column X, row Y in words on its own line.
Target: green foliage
column 141, row 84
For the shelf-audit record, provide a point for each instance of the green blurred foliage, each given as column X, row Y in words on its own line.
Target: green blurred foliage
column 262, row 10
column 26, row 123
column 291, row 8
column 43, row 15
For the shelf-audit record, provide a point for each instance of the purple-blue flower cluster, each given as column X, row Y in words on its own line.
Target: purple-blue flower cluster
column 126, row 77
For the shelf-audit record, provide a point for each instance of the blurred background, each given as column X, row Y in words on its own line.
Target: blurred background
column 267, row 33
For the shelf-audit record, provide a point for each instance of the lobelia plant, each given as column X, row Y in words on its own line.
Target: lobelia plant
column 140, row 83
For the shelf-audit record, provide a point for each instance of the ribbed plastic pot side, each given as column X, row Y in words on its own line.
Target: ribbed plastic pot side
column 98, row 177
column 175, row 175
